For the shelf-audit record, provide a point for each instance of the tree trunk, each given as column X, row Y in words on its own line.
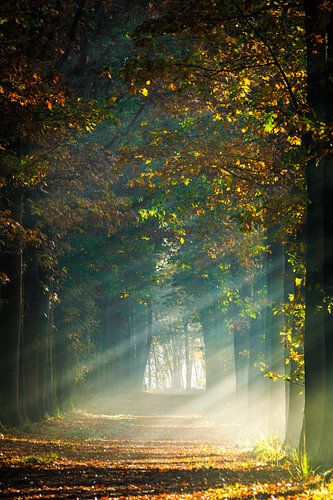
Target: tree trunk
column 257, row 411
column 176, row 383
column 327, row 436
column 62, row 361
column 213, row 350
column 31, row 336
column 44, row 369
column 11, row 319
column 239, row 326
column 38, row 333
column 188, row 364
column 316, row 338
column 123, row 311
column 52, row 374
column 141, row 339
column 294, row 391
column 275, row 324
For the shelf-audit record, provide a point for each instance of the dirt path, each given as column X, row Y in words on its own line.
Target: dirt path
column 137, row 448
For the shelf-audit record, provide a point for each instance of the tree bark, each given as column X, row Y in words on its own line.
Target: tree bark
column 239, row 326
column 44, row 369
column 257, row 333
column 327, row 435
column 11, row 319
column 62, row 361
column 31, row 336
column 275, row 323
column 318, row 227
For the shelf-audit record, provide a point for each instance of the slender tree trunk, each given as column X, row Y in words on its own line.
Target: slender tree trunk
column 241, row 349
column 149, row 377
column 167, row 354
column 176, row 381
column 124, row 340
column 63, row 362
column 157, row 367
column 314, row 340
column 149, row 333
column 44, row 358
column 327, row 436
column 11, row 319
column 53, row 400
column 141, row 341
column 294, row 392
column 188, row 363
column 275, row 324
column 257, row 410
column 31, row 336
column 239, row 326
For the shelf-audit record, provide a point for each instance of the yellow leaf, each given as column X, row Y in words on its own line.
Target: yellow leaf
column 182, row 241
column 144, row 92
column 296, row 141
column 172, row 86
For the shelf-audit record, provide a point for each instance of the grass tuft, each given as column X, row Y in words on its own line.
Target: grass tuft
column 271, row 450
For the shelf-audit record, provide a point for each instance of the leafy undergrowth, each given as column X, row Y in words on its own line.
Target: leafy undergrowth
column 141, row 455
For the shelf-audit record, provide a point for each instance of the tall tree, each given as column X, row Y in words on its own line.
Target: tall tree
column 11, row 313
column 318, row 322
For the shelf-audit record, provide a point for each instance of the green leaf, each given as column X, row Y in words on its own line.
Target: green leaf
column 269, row 123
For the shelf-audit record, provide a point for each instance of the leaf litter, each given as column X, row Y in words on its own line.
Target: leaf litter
column 139, row 454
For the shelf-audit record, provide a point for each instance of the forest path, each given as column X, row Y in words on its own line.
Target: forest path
column 147, row 446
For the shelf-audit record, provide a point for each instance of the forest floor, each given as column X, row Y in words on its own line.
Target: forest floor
column 142, row 448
